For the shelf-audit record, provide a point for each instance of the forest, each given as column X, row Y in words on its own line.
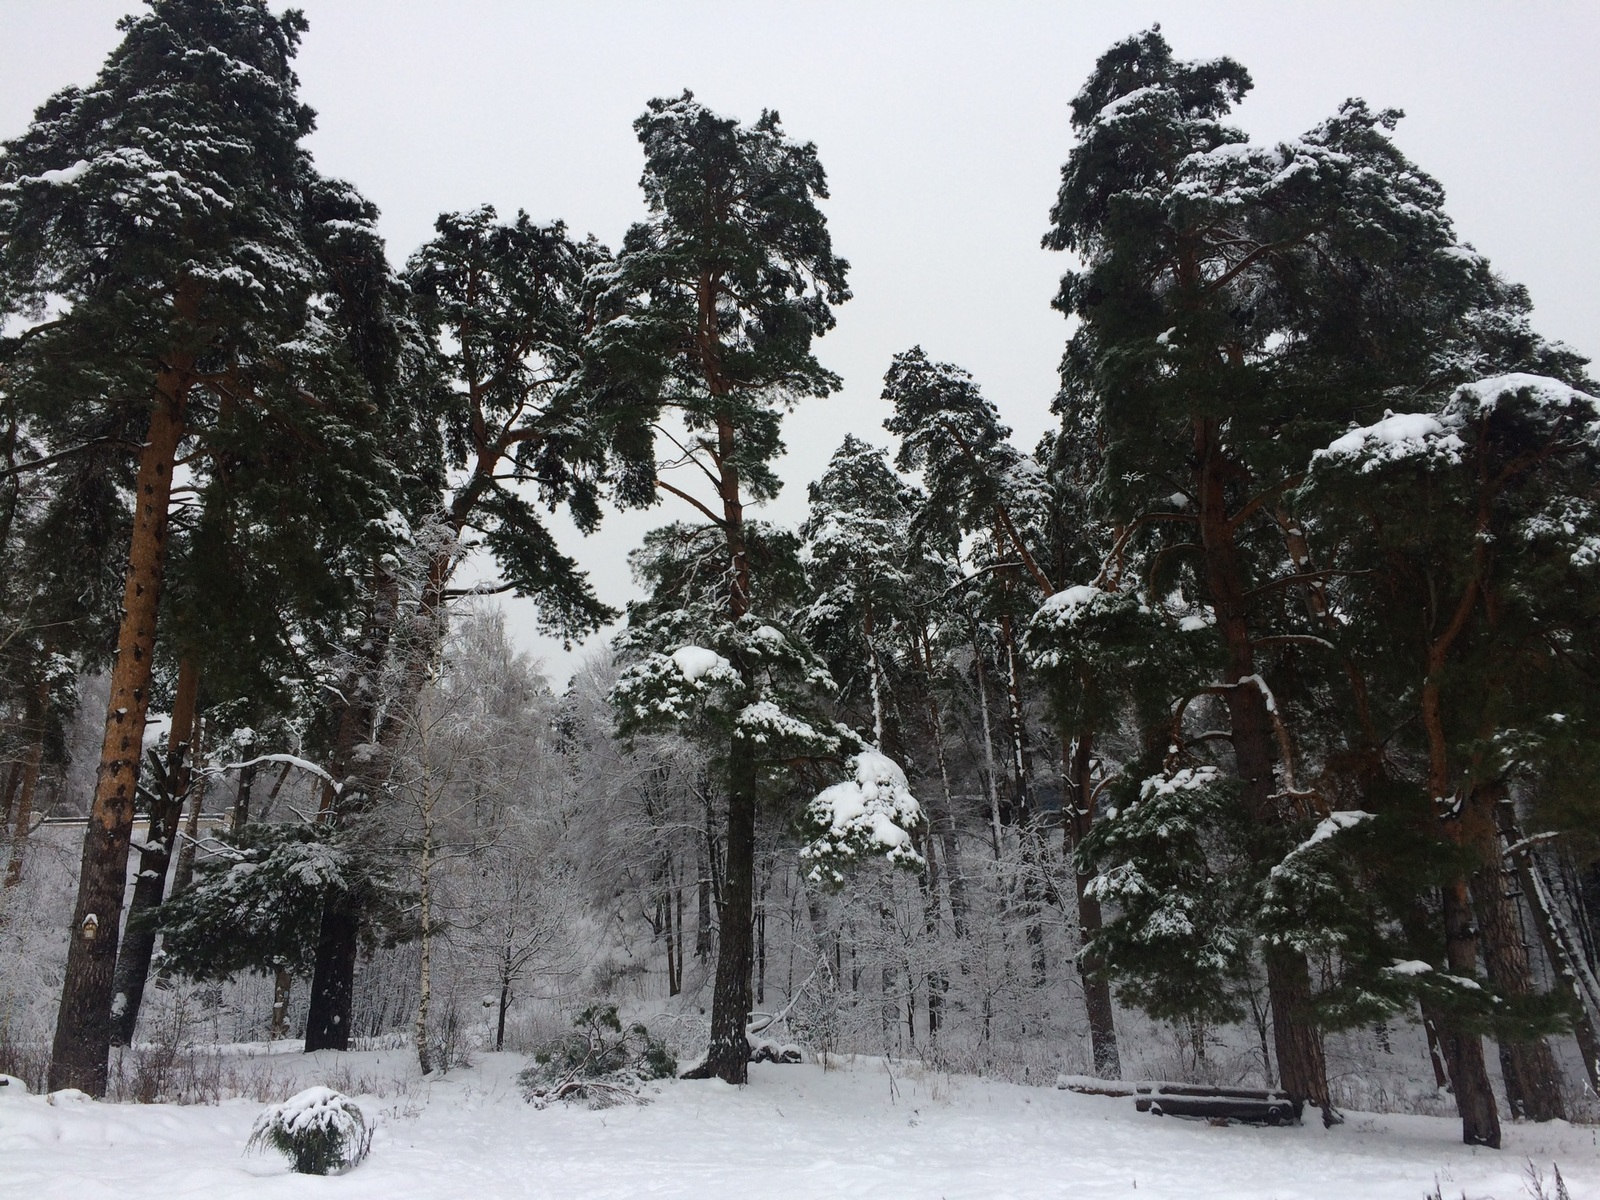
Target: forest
column 1240, row 732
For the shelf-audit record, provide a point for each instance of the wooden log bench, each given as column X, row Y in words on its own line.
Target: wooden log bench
column 1254, row 1106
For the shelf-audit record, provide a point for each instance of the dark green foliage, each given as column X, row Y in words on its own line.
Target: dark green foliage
column 732, row 206
column 256, row 902
column 1179, row 941
column 505, row 314
column 168, row 217
column 600, row 1061
column 320, row 1131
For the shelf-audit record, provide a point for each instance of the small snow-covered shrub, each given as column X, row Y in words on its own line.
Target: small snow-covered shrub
column 322, row 1131
column 600, row 1062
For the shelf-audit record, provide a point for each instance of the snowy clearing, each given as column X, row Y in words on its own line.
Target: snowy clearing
column 863, row 1129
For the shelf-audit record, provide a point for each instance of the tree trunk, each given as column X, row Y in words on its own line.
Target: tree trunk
column 9, row 798
column 1302, row 1068
column 155, row 855
column 328, row 1010
column 82, row 1043
column 240, row 817
column 29, row 784
column 282, row 981
column 935, row 980
column 1532, row 1078
column 1560, row 945
column 1463, row 1051
column 988, row 746
column 943, row 822
column 184, row 871
column 728, row 1056
column 674, row 969
column 1075, row 822
column 425, row 918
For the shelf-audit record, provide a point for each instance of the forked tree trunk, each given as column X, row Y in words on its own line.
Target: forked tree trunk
column 82, row 1044
column 155, row 856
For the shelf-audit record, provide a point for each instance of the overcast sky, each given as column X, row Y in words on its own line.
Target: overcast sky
column 942, row 128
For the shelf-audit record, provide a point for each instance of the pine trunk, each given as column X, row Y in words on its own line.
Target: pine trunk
column 155, row 856
column 8, row 800
column 329, row 1007
column 1560, row 946
column 728, row 1056
column 82, row 1045
column 183, row 873
column 1463, row 1051
column 1302, row 1069
column 1532, row 1078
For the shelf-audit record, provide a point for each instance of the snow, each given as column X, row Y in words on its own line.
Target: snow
column 869, row 813
column 764, row 722
column 1066, row 603
column 696, row 661
column 1412, row 435
column 1184, row 780
column 1332, row 824
column 1546, row 392
column 1410, row 966
column 1397, row 436
column 64, row 175
column 864, row 1128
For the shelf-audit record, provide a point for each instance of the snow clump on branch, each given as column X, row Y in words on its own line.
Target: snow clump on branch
column 872, row 813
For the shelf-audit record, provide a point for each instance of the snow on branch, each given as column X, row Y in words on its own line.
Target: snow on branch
column 871, row 814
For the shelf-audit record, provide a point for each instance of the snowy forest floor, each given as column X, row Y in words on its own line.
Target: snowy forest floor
column 862, row 1128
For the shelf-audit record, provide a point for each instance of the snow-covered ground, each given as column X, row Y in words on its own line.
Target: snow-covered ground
column 862, row 1129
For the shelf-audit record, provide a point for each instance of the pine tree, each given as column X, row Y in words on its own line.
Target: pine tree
column 1482, row 580
column 1239, row 303
column 166, row 204
column 873, row 595
column 708, row 314
column 499, row 314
